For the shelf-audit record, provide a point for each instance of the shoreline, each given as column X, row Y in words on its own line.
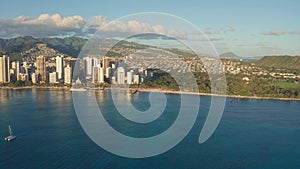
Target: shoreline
column 36, row 87
column 219, row 95
column 156, row 90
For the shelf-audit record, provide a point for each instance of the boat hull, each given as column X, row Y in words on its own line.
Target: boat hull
column 78, row 89
column 10, row 138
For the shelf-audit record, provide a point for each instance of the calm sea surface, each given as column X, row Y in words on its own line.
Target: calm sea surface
column 251, row 134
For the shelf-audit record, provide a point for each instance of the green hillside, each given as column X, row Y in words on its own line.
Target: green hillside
column 70, row 46
column 286, row 62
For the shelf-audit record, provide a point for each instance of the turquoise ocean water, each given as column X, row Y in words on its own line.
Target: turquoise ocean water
column 252, row 134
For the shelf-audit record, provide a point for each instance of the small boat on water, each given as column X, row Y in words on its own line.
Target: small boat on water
column 11, row 135
column 134, row 92
column 78, row 89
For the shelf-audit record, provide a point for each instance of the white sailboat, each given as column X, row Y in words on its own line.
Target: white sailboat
column 11, row 135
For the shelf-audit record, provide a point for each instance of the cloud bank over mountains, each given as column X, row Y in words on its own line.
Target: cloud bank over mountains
column 57, row 25
column 224, row 38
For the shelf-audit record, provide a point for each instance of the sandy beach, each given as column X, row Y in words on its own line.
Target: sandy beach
column 37, row 87
column 211, row 94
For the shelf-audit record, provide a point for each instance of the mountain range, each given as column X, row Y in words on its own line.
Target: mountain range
column 230, row 55
column 13, row 47
column 283, row 62
column 16, row 48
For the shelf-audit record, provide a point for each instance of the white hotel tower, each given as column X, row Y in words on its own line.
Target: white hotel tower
column 60, row 66
column 121, row 75
column 4, row 69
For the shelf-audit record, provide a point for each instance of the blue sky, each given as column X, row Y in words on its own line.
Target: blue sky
column 258, row 27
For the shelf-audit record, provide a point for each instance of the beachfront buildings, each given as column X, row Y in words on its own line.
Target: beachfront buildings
column 33, row 78
column 98, row 74
column 53, row 77
column 129, row 77
column 59, row 69
column 15, row 69
column 121, row 75
column 59, row 66
column 41, row 69
column 4, row 69
column 68, row 74
column 108, row 70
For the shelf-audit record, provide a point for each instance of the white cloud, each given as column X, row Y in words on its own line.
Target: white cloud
column 136, row 27
column 56, row 20
column 43, row 26
column 215, row 31
column 47, row 25
column 281, row 32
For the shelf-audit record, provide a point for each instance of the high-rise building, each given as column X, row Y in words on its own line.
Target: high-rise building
column 70, row 67
column 142, row 79
column 129, row 77
column 108, row 72
column 109, row 62
column 105, row 65
column 68, row 74
column 136, row 79
column 98, row 74
column 113, row 80
column 16, row 67
column 4, row 69
column 121, row 75
column 24, row 72
column 73, row 63
column 101, row 73
column 33, row 78
column 40, row 69
column 95, row 74
column 88, row 66
column 60, row 66
column 53, row 77
column 96, row 61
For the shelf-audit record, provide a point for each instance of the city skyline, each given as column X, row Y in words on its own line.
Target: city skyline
column 42, row 71
column 154, row 84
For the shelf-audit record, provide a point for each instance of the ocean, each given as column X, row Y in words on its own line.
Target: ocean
column 251, row 134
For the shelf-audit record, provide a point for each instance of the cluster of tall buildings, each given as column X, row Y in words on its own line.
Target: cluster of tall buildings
column 60, row 70
column 113, row 70
column 56, row 70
